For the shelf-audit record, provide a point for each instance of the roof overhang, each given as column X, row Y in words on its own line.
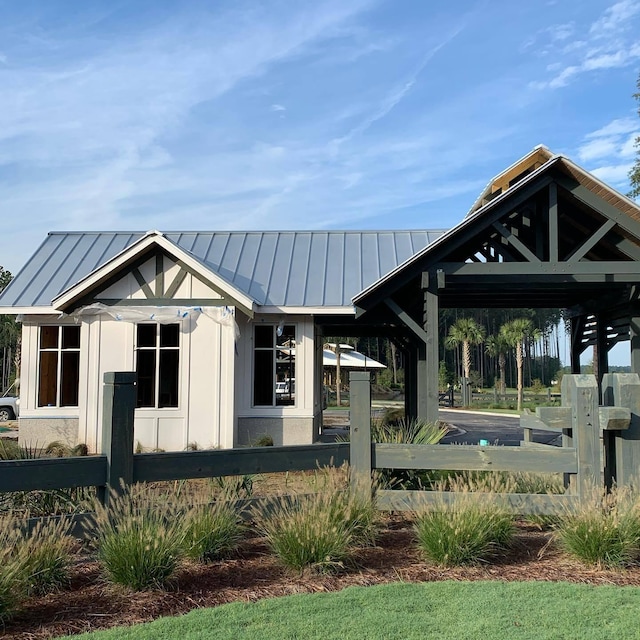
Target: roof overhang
column 153, row 240
column 377, row 292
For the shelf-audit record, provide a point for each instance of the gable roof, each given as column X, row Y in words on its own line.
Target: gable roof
column 511, row 182
column 274, row 269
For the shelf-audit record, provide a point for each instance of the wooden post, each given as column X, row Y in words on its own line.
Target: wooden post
column 119, row 403
column 608, row 437
column 580, row 392
column 360, row 448
column 626, row 393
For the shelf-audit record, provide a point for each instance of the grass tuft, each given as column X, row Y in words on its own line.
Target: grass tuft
column 604, row 530
column 212, row 531
column 318, row 531
column 465, row 529
column 139, row 539
column 46, row 556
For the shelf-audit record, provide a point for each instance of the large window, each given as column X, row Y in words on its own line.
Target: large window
column 157, row 364
column 58, row 366
column 274, row 356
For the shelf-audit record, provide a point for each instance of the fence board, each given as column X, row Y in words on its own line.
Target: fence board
column 52, row 473
column 227, row 462
column 518, row 503
column 474, row 458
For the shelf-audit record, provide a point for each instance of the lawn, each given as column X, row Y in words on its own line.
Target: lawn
column 442, row 610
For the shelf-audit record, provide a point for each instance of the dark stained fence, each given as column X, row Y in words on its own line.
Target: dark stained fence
column 579, row 460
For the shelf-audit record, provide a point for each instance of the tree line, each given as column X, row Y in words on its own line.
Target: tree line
column 10, row 332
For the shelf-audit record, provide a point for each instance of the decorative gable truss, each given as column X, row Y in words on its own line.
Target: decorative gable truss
column 153, row 273
column 559, row 230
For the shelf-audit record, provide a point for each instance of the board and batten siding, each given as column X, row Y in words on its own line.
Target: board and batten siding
column 205, row 414
column 287, row 425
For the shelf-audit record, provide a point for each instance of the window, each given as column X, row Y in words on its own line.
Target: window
column 58, row 366
column 274, row 355
column 157, row 360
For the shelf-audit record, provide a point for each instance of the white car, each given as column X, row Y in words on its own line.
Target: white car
column 9, row 408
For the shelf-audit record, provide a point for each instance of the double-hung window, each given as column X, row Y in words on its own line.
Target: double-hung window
column 58, row 366
column 157, row 365
column 274, row 365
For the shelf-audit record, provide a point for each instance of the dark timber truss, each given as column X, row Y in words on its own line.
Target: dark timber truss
column 557, row 239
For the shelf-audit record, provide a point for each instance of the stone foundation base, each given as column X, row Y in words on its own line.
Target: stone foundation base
column 284, row 431
column 37, row 433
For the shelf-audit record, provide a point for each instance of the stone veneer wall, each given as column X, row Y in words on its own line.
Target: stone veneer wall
column 39, row 432
column 284, row 431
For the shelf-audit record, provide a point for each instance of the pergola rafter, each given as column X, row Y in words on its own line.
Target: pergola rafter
column 556, row 239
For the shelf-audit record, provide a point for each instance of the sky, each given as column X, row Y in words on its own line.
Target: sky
column 320, row 114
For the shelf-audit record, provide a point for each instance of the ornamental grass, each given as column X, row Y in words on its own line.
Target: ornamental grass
column 140, row 539
column 465, row 526
column 604, row 530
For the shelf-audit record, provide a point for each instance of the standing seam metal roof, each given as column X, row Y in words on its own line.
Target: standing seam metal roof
column 275, row 268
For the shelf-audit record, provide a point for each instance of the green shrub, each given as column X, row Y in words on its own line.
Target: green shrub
column 235, row 487
column 12, row 570
column 265, row 440
column 139, row 539
column 464, row 528
column 604, row 530
column 317, row 531
column 406, row 432
column 46, row 556
column 212, row 531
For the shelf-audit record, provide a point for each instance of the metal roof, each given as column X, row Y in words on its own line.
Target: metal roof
column 274, row 268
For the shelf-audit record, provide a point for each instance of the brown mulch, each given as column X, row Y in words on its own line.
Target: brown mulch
column 90, row 603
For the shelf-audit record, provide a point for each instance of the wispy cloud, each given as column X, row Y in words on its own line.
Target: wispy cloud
column 610, row 43
column 609, row 151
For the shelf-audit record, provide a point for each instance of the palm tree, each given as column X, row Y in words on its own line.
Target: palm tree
column 497, row 347
column 465, row 332
column 515, row 333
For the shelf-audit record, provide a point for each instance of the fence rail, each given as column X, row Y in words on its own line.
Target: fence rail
column 579, row 459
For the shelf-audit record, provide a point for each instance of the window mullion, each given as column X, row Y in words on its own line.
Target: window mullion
column 59, row 369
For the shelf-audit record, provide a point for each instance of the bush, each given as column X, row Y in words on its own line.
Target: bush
column 139, row 540
column 212, row 531
column 604, row 530
column 318, row 531
column 465, row 529
column 12, row 570
column 406, row 432
column 46, row 556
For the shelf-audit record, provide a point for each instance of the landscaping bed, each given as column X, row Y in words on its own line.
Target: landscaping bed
column 254, row 573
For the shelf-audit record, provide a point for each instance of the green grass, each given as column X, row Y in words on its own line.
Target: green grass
column 439, row 610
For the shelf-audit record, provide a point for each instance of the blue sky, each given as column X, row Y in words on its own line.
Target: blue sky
column 277, row 115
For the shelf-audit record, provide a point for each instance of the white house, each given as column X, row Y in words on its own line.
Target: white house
column 218, row 325
column 209, row 321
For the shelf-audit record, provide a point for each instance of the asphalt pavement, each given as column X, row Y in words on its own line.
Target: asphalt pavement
column 468, row 427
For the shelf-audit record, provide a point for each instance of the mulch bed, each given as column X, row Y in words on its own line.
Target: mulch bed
column 90, row 603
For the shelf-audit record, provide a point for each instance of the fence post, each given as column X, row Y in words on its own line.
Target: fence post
column 119, row 403
column 581, row 393
column 626, row 393
column 360, row 447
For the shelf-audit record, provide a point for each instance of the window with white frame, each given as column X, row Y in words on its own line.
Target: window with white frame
column 58, row 366
column 274, row 365
column 157, row 365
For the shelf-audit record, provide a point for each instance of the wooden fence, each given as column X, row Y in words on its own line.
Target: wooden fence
column 119, row 462
column 579, row 459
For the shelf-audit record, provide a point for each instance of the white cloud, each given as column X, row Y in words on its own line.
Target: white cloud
column 278, row 107
column 611, row 44
column 616, row 174
column 615, row 18
column 616, row 127
column 598, row 148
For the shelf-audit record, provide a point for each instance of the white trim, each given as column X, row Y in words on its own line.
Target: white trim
column 308, row 311
column 31, row 311
column 121, row 259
